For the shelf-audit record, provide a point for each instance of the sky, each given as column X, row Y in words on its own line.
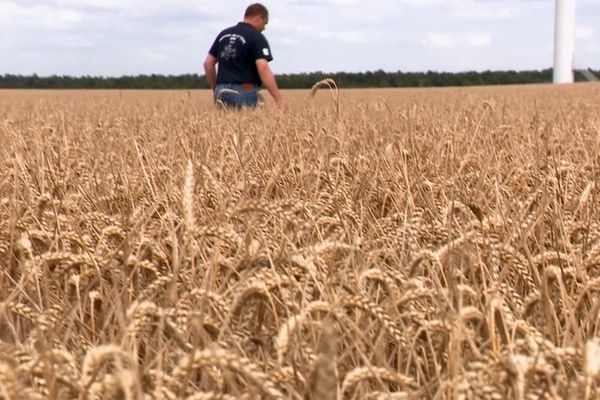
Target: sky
column 172, row 37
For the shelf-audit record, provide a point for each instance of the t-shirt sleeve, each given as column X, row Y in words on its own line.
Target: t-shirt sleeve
column 262, row 49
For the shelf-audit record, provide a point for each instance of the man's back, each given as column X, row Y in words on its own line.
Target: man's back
column 243, row 55
column 236, row 49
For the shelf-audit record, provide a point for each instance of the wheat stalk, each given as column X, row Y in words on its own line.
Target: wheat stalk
column 330, row 83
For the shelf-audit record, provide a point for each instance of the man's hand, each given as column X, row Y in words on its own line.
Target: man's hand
column 268, row 80
column 280, row 102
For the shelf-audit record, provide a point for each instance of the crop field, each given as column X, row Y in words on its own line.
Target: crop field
column 361, row 244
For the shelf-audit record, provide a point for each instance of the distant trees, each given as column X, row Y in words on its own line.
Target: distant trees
column 381, row 78
column 153, row 81
column 366, row 79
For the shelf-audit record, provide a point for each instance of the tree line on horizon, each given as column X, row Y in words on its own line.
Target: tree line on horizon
column 369, row 79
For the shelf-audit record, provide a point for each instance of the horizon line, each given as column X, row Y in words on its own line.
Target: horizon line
column 32, row 74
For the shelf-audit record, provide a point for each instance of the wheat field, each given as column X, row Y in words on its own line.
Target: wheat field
column 362, row 244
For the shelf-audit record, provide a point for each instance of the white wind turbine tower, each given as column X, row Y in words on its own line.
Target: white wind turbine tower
column 564, row 44
column 564, row 41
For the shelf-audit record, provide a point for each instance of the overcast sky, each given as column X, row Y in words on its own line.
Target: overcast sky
column 129, row 37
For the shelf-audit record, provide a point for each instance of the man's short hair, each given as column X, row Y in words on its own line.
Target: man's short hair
column 256, row 9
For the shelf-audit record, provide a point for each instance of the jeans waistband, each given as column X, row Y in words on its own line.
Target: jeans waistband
column 246, row 87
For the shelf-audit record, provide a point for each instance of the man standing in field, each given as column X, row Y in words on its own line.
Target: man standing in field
column 242, row 54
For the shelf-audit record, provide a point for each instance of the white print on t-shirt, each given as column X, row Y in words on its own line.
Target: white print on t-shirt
column 233, row 37
column 228, row 52
column 266, row 52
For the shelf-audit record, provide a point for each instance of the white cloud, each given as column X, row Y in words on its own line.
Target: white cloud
column 584, row 32
column 345, row 2
column 143, row 6
column 440, row 40
column 485, row 11
column 423, row 3
column 154, row 56
column 113, row 37
column 348, row 36
column 102, row 4
column 290, row 41
column 450, row 40
column 478, row 40
column 38, row 16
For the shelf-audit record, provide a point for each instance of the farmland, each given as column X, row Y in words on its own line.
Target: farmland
column 384, row 244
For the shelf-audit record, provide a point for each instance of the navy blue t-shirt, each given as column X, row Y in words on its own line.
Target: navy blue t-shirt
column 237, row 49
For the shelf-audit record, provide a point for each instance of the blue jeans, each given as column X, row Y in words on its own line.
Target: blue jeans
column 236, row 95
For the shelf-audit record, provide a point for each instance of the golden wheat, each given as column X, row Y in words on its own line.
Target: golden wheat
column 430, row 243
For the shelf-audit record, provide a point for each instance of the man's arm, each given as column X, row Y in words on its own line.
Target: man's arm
column 268, row 80
column 210, row 70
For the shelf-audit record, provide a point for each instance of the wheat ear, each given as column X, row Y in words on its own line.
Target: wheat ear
column 224, row 359
column 333, row 87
